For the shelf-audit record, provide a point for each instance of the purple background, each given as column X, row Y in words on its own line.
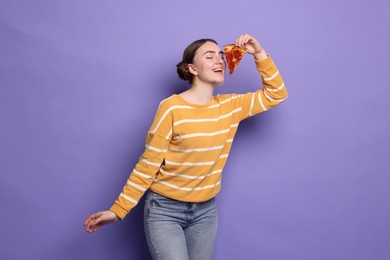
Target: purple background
column 80, row 82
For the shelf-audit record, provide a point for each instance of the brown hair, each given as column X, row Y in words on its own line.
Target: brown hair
column 188, row 58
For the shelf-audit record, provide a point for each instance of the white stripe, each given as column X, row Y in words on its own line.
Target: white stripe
column 174, row 107
column 189, row 163
column 207, row 119
column 187, row 107
column 261, row 102
column 214, row 172
column 165, row 114
column 275, row 89
column 207, row 134
column 141, row 174
column 208, row 187
column 168, row 137
column 196, row 164
column 129, row 199
column 203, row 134
column 272, row 77
column 216, row 105
column 155, row 149
column 152, row 163
column 229, row 140
column 275, row 100
column 183, row 175
column 252, row 103
column 227, row 100
column 197, row 149
column 187, row 189
column 136, row 186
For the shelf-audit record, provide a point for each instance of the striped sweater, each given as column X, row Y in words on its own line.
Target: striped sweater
column 187, row 145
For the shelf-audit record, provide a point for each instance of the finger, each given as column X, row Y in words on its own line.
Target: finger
column 97, row 226
column 99, row 222
column 93, row 217
column 246, row 39
column 89, row 219
column 242, row 40
column 93, row 225
column 251, row 40
column 96, row 215
column 239, row 40
column 254, row 44
column 86, row 222
column 90, row 227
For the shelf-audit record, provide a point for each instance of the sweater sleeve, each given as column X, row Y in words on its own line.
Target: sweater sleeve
column 143, row 174
column 272, row 94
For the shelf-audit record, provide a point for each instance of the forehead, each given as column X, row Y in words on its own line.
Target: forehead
column 208, row 46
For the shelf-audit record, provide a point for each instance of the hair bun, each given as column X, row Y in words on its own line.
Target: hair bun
column 183, row 71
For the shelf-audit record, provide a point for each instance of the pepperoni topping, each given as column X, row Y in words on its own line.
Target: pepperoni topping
column 233, row 55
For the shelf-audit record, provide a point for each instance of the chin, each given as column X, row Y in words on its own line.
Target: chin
column 217, row 84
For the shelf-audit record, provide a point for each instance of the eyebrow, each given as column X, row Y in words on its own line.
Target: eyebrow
column 213, row 52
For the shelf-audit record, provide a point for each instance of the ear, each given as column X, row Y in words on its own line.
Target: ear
column 192, row 69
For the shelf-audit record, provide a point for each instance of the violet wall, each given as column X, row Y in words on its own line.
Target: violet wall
column 80, row 82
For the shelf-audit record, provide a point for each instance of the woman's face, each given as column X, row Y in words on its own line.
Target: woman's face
column 208, row 65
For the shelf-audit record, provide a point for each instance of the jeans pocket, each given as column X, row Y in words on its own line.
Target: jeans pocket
column 148, row 202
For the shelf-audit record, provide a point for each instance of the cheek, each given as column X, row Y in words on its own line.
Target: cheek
column 204, row 68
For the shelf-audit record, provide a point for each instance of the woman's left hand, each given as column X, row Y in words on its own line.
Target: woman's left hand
column 251, row 46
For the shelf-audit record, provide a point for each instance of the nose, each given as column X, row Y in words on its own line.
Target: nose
column 220, row 60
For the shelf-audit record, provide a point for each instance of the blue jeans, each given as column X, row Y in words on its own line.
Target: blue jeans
column 178, row 230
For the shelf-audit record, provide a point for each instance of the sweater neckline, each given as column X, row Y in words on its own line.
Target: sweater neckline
column 182, row 100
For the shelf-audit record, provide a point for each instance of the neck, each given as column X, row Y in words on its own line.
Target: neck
column 201, row 93
column 198, row 94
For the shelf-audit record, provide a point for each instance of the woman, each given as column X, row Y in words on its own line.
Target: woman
column 186, row 149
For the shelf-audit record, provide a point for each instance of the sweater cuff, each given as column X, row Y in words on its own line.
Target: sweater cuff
column 264, row 64
column 119, row 211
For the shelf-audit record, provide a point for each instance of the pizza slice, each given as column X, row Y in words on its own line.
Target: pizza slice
column 233, row 55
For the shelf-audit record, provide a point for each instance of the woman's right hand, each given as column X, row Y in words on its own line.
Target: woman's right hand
column 251, row 46
column 99, row 219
